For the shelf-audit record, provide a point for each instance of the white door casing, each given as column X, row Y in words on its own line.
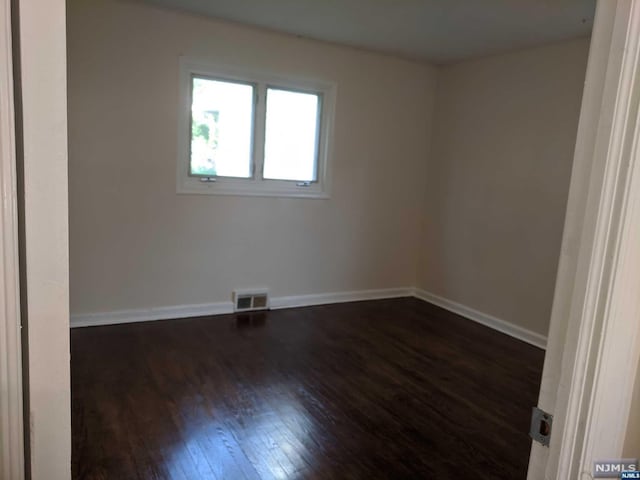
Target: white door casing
column 11, row 426
column 594, row 337
column 45, row 240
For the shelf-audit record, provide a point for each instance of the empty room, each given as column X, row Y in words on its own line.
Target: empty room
column 324, row 239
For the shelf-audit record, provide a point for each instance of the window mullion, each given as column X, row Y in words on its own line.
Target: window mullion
column 259, row 130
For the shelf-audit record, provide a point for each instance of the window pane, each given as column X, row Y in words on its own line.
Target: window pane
column 221, row 128
column 291, row 135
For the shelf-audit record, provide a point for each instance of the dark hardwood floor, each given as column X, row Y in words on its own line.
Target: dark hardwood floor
column 395, row 389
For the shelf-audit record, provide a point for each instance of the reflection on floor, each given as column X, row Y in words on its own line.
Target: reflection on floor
column 381, row 389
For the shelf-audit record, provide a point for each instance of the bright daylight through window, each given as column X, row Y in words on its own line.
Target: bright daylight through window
column 291, row 135
column 221, row 128
column 253, row 134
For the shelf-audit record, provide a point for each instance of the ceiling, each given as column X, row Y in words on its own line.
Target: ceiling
column 440, row 31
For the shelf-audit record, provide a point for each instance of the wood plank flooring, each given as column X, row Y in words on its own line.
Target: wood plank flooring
column 396, row 389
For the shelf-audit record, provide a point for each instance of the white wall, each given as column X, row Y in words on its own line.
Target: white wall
column 136, row 244
column 498, row 178
column 45, row 240
column 476, row 218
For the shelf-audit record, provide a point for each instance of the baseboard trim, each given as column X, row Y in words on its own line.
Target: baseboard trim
column 295, row 301
column 338, row 297
column 490, row 321
column 221, row 308
column 150, row 314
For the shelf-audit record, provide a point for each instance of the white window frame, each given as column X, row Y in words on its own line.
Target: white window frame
column 256, row 185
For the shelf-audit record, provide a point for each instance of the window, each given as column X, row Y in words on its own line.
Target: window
column 291, row 135
column 248, row 133
column 221, row 128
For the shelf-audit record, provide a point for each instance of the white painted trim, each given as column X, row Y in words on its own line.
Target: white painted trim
column 150, row 314
column 339, row 297
column 295, row 301
column 222, row 308
column 596, row 104
column 487, row 320
column 595, row 334
column 45, row 241
column 604, row 331
column 11, row 425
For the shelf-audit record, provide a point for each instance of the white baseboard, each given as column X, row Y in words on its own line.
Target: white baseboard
column 220, row 308
column 339, row 297
column 490, row 321
column 150, row 314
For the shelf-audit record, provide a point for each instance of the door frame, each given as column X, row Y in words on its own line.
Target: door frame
column 11, row 424
column 594, row 338
column 593, row 345
column 44, row 233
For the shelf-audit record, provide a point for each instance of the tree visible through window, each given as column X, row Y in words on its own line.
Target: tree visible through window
column 221, row 128
column 204, row 142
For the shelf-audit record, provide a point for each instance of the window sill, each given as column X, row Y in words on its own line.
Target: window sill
column 199, row 188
